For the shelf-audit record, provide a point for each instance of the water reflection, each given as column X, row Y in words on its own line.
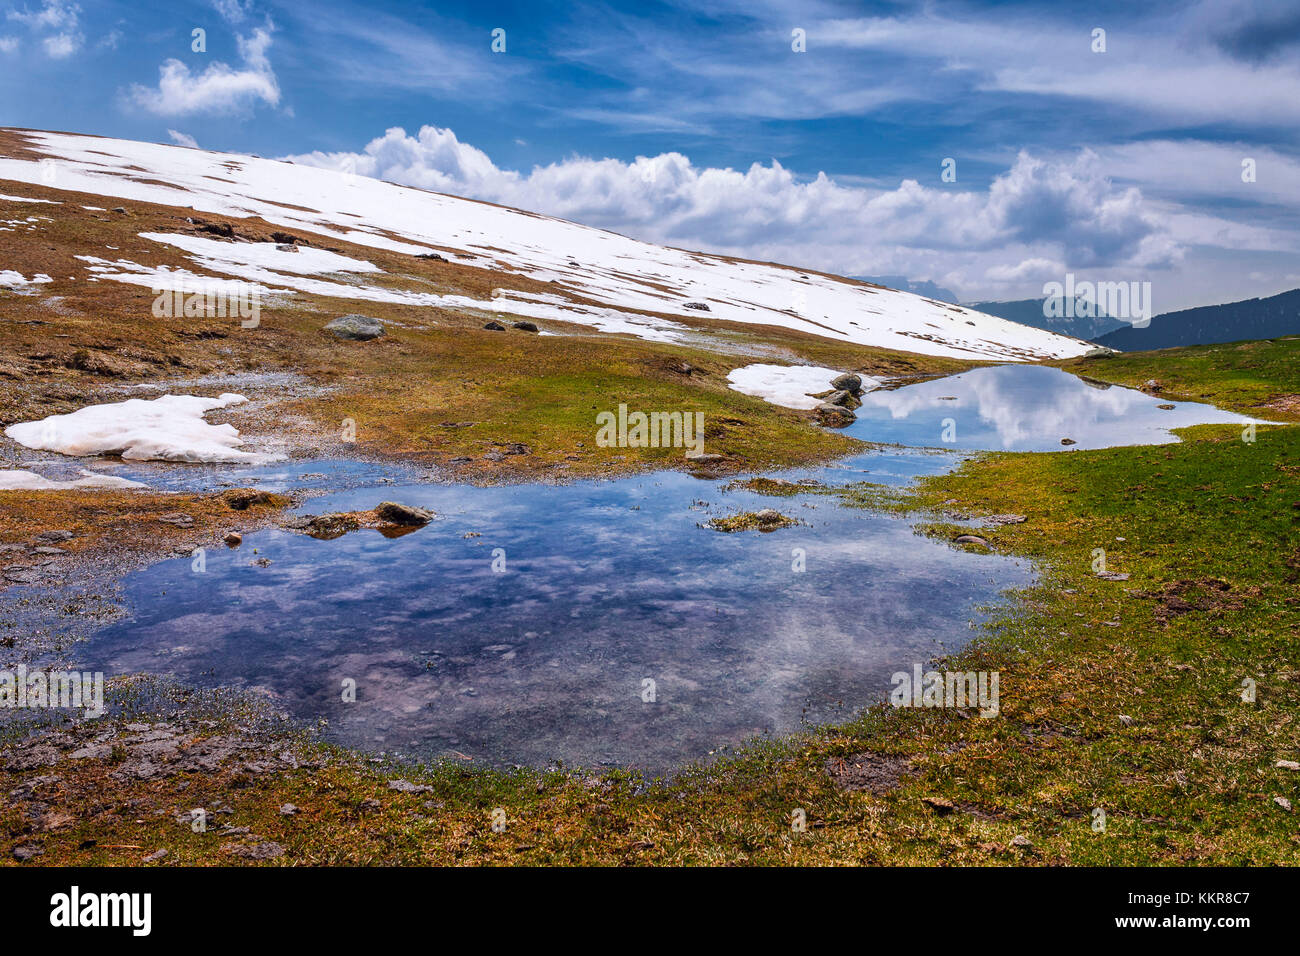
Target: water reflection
column 1025, row 408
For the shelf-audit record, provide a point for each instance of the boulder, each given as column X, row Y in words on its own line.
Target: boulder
column 357, row 328
column 848, row 382
column 526, row 326
column 494, row 327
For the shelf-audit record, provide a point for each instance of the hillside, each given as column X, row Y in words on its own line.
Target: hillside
column 1268, row 318
column 1032, row 312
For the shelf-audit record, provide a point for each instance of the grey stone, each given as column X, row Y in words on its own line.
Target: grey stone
column 356, row 328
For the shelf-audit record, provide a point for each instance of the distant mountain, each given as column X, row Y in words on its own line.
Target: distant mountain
column 903, row 284
column 1064, row 322
column 1232, row 322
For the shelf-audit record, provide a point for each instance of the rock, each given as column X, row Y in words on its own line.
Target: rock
column 848, row 382
column 1004, row 519
column 432, row 256
column 52, row 536
column 1126, row 720
column 526, row 326
column 1165, row 406
column 833, row 416
column 1283, row 802
column 405, row 786
column 518, row 448
column 234, row 539
column 841, row 397
column 288, row 810
column 288, row 239
column 266, row 850
column 494, row 456
column 178, row 519
column 119, row 209
column 1151, row 385
column 394, row 513
column 697, row 306
column 241, row 499
column 1287, row 765
column 1068, row 441
column 494, row 327
column 356, row 328
column 970, row 539
column 155, row 857
column 705, row 459
column 1021, row 840
column 48, row 549
column 939, row 805
column 25, row 851
column 1112, row 576
column 1099, row 352
column 286, row 247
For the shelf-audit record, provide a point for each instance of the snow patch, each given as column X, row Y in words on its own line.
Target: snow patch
column 621, row 274
column 48, row 202
column 170, row 428
column 13, row 280
column 30, row 481
column 787, row 385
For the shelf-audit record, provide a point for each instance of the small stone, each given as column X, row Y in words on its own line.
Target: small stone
column 1166, row 407
column 286, row 247
column 494, row 327
column 525, row 326
column 848, row 382
column 1112, row 576
column 48, row 549
column 970, row 539
column 234, row 539
column 1021, row 840
column 288, row 810
column 1005, row 519
column 1283, row 802
column 55, row 536
column 1287, row 765
column 394, row 513
column 697, row 306
column 939, row 805
column 1126, row 720
column 155, row 856
column 405, row 786
column 25, row 851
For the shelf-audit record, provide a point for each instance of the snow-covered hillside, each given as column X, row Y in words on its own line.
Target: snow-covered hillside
column 621, row 274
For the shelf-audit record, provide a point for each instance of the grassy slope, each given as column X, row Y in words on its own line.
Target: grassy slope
column 1119, row 695
column 1248, row 377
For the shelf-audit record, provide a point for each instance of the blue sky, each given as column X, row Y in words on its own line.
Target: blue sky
column 698, row 124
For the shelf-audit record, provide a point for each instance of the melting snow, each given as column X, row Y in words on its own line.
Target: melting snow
column 48, row 202
column 787, row 385
column 30, row 481
column 170, row 428
column 12, row 280
column 613, row 270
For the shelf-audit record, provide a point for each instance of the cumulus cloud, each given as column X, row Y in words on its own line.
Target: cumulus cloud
column 57, row 23
column 219, row 88
column 1040, row 215
column 8, row 44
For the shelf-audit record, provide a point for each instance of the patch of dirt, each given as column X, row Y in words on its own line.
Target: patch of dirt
column 875, row 773
column 1196, row 594
column 1287, row 404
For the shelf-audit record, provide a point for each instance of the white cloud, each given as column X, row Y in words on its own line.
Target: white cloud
column 57, row 21
column 232, row 11
column 219, row 88
column 1058, row 212
column 182, row 139
column 62, row 45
